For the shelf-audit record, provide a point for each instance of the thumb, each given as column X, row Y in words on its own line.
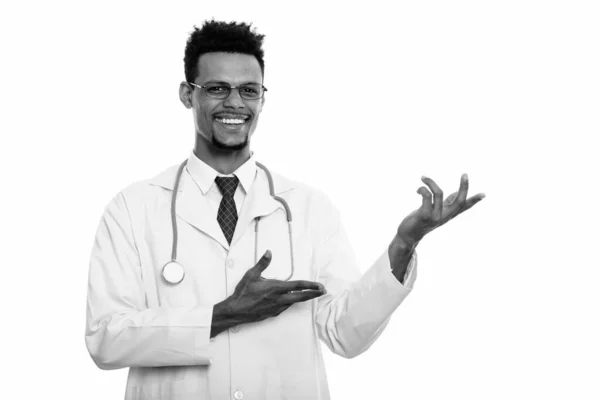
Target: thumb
column 263, row 263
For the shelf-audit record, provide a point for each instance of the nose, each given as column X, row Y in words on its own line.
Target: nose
column 234, row 100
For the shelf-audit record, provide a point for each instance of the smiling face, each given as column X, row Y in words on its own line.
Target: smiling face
column 229, row 123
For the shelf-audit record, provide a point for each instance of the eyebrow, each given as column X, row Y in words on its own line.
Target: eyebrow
column 227, row 83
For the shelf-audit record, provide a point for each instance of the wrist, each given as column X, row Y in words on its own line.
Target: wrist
column 401, row 245
column 400, row 252
column 224, row 318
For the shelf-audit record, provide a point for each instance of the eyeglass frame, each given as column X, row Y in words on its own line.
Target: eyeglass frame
column 264, row 89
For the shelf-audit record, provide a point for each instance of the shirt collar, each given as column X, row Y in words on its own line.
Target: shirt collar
column 204, row 175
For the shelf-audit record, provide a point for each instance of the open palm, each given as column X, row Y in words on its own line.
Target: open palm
column 433, row 214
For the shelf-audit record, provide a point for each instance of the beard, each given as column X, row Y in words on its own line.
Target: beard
column 224, row 146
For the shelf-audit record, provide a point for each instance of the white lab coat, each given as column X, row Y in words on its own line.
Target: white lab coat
column 162, row 332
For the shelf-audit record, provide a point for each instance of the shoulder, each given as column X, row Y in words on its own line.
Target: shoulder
column 300, row 192
column 156, row 185
column 311, row 208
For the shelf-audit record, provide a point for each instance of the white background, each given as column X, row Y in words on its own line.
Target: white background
column 363, row 99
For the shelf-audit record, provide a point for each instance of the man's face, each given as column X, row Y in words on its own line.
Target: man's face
column 217, row 120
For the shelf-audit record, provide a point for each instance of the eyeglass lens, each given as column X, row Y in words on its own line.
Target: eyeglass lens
column 222, row 91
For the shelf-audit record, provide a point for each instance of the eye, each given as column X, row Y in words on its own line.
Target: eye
column 249, row 90
column 217, row 89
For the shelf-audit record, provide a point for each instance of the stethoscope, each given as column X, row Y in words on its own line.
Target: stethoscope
column 173, row 272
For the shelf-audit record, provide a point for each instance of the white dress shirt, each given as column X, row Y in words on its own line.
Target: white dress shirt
column 162, row 332
column 204, row 176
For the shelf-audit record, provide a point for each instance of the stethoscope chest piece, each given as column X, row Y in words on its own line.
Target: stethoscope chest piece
column 173, row 272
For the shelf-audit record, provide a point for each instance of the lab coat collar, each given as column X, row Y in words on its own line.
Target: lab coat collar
column 193, row 207
column 205, row 175
column 166, row 179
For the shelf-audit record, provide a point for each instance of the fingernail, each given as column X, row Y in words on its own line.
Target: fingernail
column 423, row 177
column 465, row 177
column 482, row 195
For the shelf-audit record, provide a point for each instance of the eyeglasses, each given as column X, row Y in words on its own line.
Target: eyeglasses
column 249, row 91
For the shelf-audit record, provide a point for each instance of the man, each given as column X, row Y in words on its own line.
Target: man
column 232, row 326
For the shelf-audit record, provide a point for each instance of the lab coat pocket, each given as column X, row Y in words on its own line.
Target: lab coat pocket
column 169, row 390
column 160, row 391
column 274, row 386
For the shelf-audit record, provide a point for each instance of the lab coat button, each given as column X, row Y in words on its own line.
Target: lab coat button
column 238, row 395
column 230, row 263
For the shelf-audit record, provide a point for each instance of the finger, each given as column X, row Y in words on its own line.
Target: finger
column 438, row 197
column 463, row 189
column 263, row 263
column 426, row 206
column 458, row 199
column 470, row 202
column 297, row 297
column 289, row 286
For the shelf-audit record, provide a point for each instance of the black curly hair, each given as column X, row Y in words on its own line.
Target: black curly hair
column 218, row 36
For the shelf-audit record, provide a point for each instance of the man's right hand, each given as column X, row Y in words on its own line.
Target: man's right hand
column 256, row 298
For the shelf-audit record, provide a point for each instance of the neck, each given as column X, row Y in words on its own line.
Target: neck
column 222, row 160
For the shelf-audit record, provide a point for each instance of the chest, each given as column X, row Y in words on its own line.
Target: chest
column 213, row 270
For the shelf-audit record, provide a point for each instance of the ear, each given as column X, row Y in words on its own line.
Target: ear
column 185, row 94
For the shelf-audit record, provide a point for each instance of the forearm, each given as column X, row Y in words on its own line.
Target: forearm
column 122, row 329
column 150, row 338
column 400, row 253
column 350, row 320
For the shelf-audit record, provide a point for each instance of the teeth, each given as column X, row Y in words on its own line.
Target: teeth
column 232, row 121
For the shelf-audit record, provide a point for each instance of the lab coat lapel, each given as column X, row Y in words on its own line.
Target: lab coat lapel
column 258, row 203
column 192, row 206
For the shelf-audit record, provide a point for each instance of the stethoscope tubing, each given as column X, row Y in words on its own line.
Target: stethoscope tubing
column 173, row 209
column 288, row 213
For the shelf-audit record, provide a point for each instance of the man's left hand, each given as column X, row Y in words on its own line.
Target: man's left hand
column 432, row 215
